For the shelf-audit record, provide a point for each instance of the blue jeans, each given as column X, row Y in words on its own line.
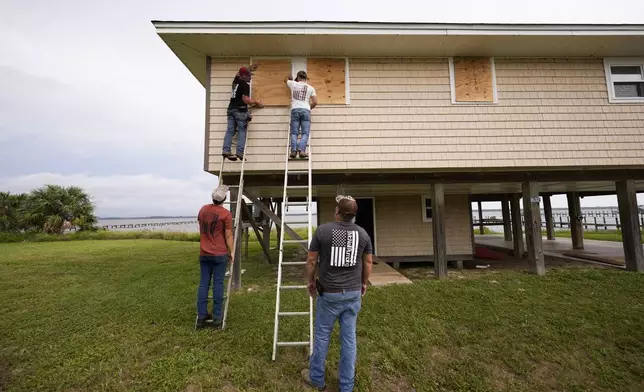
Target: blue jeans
column 237, row 121
column 330, row 307
column 215, row 267
column 300, row 118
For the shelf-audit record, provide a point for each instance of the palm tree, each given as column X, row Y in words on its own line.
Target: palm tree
column 11, row 211
column 52, row 208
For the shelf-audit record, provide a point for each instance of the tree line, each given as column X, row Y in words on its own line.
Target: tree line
column 50, row 209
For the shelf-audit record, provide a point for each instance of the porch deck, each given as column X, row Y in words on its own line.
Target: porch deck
column 605, row 252
column 382, row 274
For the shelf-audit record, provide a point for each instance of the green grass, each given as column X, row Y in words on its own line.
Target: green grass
column 115, row 235
column 118, row 316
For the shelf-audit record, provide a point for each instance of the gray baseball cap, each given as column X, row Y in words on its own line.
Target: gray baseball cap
column 219, row 194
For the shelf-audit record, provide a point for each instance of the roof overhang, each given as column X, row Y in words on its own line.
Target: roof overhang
column 193, row 41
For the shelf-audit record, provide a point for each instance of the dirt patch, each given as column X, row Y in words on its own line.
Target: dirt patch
column 5, row 375
column 546, row 373
column 439, row 355
column 501, row 378
column 390, row 383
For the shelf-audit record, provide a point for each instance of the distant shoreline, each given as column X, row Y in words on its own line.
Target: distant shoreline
column 145, row 217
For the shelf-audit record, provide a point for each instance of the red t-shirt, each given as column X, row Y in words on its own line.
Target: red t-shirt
column 213, row 221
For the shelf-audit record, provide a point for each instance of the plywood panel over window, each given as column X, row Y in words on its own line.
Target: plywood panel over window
column 473, row 79
column 328, row 77
column 268, row 82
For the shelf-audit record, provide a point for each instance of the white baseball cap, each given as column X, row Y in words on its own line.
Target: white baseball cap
column 219, row 194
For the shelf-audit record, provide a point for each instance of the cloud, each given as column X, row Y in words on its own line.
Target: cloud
column 128, row 195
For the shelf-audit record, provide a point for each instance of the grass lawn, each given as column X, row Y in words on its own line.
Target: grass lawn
column 118, row 315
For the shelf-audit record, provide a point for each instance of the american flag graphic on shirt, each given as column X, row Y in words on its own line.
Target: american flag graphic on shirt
column 344, row 248
column 299, row 92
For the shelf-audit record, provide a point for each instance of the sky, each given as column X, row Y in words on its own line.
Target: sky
column 91, row 96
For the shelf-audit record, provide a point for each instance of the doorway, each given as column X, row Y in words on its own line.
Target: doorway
column 366, row 218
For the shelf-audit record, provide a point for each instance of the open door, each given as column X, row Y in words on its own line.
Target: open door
column 366, row 218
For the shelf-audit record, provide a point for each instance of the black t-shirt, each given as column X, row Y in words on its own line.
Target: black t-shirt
column 341, row 246
column 240, row 88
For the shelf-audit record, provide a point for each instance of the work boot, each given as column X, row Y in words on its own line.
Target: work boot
column 239, row 156
column 216, row 324
column 293, row 155
column 200, row 322
column 228, row 155
column 307, row 380
column 304, row 155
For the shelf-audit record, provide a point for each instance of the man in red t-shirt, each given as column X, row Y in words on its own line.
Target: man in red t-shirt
column 216, row 243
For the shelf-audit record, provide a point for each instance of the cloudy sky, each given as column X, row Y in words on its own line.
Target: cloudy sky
column 90, row 96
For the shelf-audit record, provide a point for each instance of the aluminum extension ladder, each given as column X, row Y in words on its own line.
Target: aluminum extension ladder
column 236, row 223
column 282, row 263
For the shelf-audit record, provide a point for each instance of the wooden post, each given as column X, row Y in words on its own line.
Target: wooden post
column 532, row 214
column 547, row 207
column 481, row 228
column 469, row 209
column 631, row 234
column 438, row 231
column 507, row 224
column 234, row 192
column 278, row 209
column 574, row 213
column 266, row 224
column 517, row 232
column 246, row 242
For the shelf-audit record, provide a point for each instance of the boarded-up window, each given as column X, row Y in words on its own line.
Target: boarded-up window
column 472, row 79
column 328, row 77
column 268, row 82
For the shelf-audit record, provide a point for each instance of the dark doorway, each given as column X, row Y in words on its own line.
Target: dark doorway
column 366, row 219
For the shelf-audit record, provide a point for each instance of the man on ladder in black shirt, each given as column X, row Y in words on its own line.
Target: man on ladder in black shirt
column 237, row 113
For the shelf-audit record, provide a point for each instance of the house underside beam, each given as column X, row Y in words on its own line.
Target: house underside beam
column 333, row 179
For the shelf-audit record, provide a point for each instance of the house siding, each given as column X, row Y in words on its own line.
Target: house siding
column 401, row 231
column 550, row 113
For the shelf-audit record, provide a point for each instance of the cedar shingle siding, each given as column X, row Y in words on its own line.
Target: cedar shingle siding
column 404, row 106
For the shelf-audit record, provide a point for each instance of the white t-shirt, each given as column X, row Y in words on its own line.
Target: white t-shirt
column 301, row 93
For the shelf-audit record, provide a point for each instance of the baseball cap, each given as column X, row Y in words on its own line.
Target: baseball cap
column 302, row 75
column 347, row 206
column 219, row 194
column 244, row 71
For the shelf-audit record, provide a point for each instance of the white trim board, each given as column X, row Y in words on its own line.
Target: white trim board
column 495, row 93
column 368, row 28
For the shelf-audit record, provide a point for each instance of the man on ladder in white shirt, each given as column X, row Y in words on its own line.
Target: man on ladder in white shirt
column 303, row 99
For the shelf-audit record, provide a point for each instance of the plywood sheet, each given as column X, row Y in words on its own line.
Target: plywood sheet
column 473, row 79
column 268, row 82
column 328, row 77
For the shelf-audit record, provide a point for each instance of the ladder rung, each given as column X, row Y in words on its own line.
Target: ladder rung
column 293, row 313
column 295, row 241
column 284, row 344
column 297, row 203
column 298, row 172
column 233, row 186
column 298, row 186
column 294, row 287
column 293, row 262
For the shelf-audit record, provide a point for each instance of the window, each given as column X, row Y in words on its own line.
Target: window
column 472, row 80
column 625, row 79
column 427, row 208
column 329, row 77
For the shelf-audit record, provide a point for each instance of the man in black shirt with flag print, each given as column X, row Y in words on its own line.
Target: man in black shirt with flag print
column 345, row 258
